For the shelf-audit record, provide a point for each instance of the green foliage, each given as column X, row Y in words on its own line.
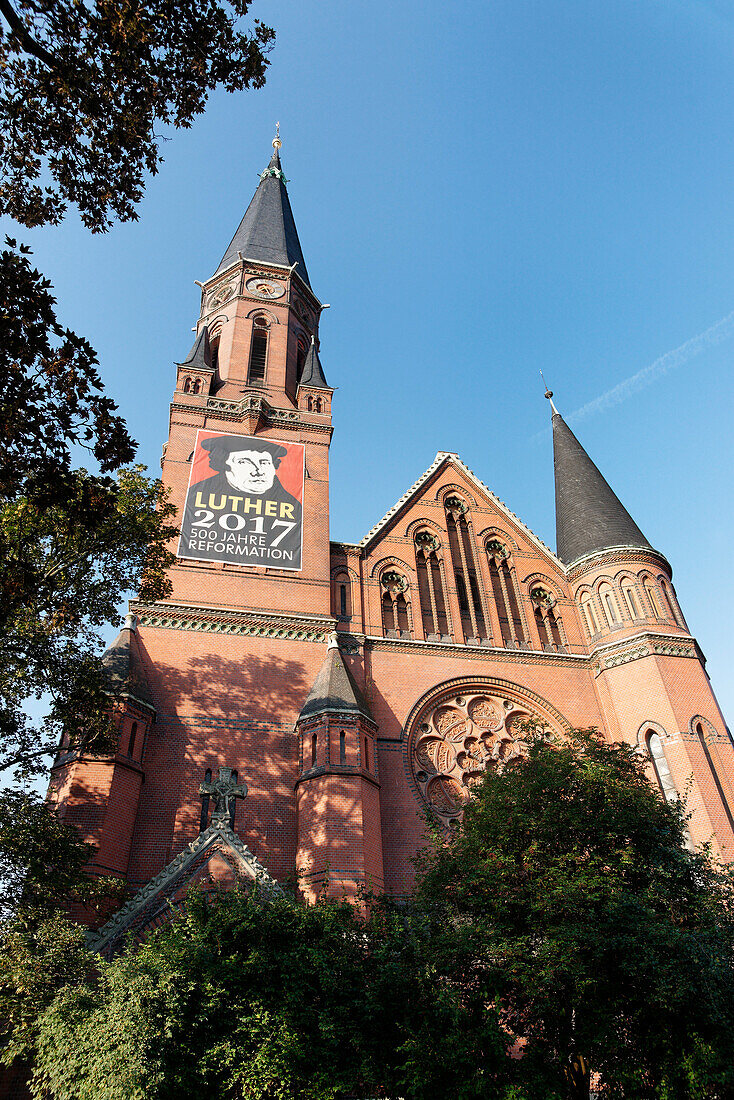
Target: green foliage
column 85, row 90
column 569, row 897
column 238, row 997
column 246, row 997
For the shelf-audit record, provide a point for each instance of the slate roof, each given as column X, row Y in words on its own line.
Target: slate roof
column 268, row 231
column 334, row 689
column 589, row 516
column 313, row 372
column 200, row 355
column 121, row 663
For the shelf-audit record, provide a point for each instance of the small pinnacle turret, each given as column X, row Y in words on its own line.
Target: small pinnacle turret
column 590, row 517
column 313, row 372
column 268, row 230
column 334, row 688
column 200, row 356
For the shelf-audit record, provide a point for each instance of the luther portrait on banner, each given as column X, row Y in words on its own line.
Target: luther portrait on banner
column 244, row 504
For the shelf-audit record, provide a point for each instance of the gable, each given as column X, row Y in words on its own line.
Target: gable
column 216, row 859
column 424, row 503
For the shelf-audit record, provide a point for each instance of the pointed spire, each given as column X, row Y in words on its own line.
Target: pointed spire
column 590, row 517
column 200, row 355
column 334, row 688
column 268, row 231
column 313, row 373
column 121, row 664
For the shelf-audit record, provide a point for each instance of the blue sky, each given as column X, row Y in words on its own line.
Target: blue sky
column 482, row 190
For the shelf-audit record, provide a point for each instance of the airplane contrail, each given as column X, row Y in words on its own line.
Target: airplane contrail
column 714, row 335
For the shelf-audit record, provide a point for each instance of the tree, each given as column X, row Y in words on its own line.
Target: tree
column 86, row 88
column 239, row 996
column 569, row 896
column 248, row 996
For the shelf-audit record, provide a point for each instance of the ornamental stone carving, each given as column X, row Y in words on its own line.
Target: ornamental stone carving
column 455, row 741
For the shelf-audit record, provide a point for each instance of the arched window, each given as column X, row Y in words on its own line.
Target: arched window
column 314, row 748
column 670, row 600
column 588, row 613
column 258, row 351
column 505, row 596
column 366, row 755
column 631, row 598
column 341, row 599
column 546, row 618
column 205, row 803
column 430, row 587
column 317, row 405
column 609, row 604
column 395, row 620
column 342, row 747
column 214, row 348
column 653, row 598
column 714, row 773
column 301, row 352
column 465, row 573
column 656, row 752
column 133, row 736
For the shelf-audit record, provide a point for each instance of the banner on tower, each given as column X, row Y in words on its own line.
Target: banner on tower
column 245, row 501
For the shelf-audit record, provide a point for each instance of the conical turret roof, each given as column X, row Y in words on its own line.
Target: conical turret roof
column 313, row 372
column 268, row 231
column 589, row 515
column 334, row 689
column 121, row 663
column 200, row 355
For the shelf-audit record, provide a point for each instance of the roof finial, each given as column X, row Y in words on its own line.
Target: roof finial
column 548, row 393
column 277, row 143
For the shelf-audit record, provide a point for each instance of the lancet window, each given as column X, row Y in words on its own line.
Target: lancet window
column 609, row 604
column 505, row 594
column 301, row 352
column 395, row 613
column 547, row 621
column 670, row 601
column 653, row 597
column 588, row 611
column 258, row 350
column 659, row 760
column 341, row 598
column 132, row 740
column 465, row 571
column 714, row 773
column 631, row 598
column 430, row 586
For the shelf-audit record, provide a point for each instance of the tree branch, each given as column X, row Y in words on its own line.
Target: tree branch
column 23, row 35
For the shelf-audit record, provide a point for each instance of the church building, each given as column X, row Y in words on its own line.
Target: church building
column 296, row 706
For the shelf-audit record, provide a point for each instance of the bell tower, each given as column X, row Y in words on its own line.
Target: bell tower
column 648, row 670
column 254, row 371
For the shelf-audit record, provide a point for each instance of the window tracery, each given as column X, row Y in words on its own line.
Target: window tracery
column 471, row 610
column 459, row 738
column 430, row 587
column 395, row 616
column 505, row 594
column 547, row 620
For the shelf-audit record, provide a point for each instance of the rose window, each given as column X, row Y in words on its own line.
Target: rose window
column 456, row 741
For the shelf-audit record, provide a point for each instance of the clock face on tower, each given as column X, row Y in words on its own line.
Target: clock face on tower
column 265, row 288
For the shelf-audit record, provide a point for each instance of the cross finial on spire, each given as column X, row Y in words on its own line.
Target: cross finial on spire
column 276, row 140
column 548, row 393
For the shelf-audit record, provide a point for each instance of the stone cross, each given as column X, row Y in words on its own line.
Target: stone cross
column 223, row 789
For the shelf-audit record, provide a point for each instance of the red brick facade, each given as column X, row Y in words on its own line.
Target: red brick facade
column 455, row 621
